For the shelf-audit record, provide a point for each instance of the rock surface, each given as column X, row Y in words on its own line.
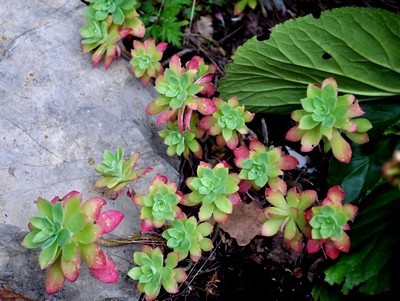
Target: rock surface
column 58, row 115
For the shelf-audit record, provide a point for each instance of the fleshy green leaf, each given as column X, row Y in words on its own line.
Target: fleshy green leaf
column 272, row 75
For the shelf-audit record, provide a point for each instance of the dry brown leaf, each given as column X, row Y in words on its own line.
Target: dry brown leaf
column 242, row 224
column 204, row 27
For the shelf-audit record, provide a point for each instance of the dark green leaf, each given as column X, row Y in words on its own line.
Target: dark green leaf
column 272, row 76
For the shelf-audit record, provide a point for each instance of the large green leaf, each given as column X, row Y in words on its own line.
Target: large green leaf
column 364, row 171
column 359, row 47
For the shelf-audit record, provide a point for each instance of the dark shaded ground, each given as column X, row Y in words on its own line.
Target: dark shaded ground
column 264, row 269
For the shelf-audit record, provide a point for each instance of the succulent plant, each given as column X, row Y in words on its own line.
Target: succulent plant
column 118, row 172
column 328, row 222
column 286, row 215
column 151, row 272
column 227, row 121
column 241, row 5
column 160, row 204
column 186, row 236
column 67, row 230
column 101, row 36
column 216, row 189
column 116, row 8
column 182, row 143
column 146, row 59
column 325, row 115
column 261, row 165
column 179, row 87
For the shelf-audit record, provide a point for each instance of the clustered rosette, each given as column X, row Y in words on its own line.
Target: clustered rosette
column 187, row 236
column 328, row 222
column 261, row 165
column 67, row 230
column 146, row 59
column 160, row 204
column 325, row 115
column 215, row 189
column 152, row 272
column 180, row 91
column 287, row 215
column 109, row 21
column 227, row 121
column 117, row 172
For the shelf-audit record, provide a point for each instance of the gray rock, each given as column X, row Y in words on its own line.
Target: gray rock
column 58, row 115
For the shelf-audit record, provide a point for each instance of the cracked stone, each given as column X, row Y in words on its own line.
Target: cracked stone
column 58, row 116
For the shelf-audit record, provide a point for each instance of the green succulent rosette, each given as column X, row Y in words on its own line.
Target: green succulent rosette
column 152, row 273
column 117, row 8
column 186, row 236
column 215, row 189
column 160, row 204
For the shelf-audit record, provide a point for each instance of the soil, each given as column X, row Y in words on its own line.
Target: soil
column 264, row 268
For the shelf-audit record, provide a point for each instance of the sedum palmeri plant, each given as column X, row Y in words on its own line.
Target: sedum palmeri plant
column 183, row 143
column 261, row 165
column 160, row 204
column 328, row 222
column 109, row 21
column 179, row 88
column 286, row 215
column 227, row 121
column 325, row 115
column 215, row 189
column 187, row 236
column 152, row 273
column 117, row 172
column 67, row 230
column 146, row 59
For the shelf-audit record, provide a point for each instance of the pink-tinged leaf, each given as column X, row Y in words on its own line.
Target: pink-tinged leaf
column 153, row 109
column 294, row 134
column 73, row 195
column 165, row 116
column 219, row 216
column 276, row 198
column 287, row 162
column 314, row 245
column 93, row 256
column 54, row 278
column 331, row 251
column 257, row 146
column 109, row 220
column 180, row 275
column 175, row 64
column 342, row 243
column 207, row 122
column 193, row 64
column 161, row 46
column 123, row 33
column 329, row 81
column 70, row 268
column 109, row 274
column 350, row 211
column 278, row 184
column 310, row 139
column 146, row 226
column 336, row 194
column 233, row 141
column 340, row 147
column 244, row 186
column 92, row 207
column 96, row 58
column 208, row 88
column 241, row 152
column 235, row 198
column 206, row 106
column 355, row 110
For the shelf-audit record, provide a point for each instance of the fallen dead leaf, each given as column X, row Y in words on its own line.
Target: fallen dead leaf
column 204, row 27
column 242, row 224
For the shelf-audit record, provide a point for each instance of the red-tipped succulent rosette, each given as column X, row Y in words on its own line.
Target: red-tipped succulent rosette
column 328, row 222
